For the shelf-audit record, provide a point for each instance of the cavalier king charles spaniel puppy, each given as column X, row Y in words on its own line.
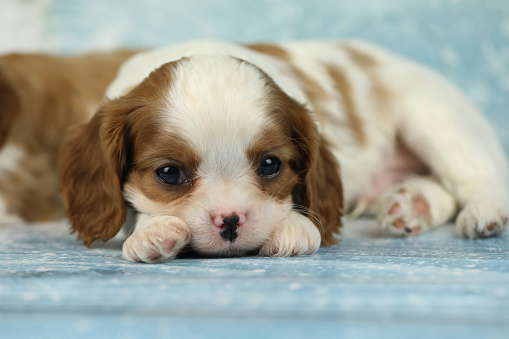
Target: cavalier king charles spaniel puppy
column 40, row 96
column 232, row 150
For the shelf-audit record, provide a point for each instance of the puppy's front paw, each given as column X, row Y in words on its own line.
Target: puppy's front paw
column 405, row 213
column 297, row 235
column 483, row 218
column 156, row 238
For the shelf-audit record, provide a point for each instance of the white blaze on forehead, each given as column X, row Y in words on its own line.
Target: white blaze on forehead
column 219, row 104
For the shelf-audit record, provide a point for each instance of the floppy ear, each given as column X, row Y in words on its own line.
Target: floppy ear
column 321, row 188
column 324, row 191
column 9, row 106
column 92, row 165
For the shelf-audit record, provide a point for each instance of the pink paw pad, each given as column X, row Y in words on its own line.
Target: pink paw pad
column 154, row 256
column 168, row 244
column 399, row 223
column 408, row 214
column 394, row 209
column 421, row 206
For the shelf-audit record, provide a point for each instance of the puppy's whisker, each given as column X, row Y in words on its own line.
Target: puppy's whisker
column 302, row 144
column 131, row 230
column 312, row 215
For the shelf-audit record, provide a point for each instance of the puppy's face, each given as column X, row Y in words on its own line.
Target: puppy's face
column 209, row 148
column 210, row 140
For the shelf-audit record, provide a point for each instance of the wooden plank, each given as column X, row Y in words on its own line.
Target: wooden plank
column 437, row 281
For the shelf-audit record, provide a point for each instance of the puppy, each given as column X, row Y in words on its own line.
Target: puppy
column 40, row 96
column 239, row 149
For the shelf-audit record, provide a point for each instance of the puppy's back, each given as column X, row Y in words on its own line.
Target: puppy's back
column 40, row 96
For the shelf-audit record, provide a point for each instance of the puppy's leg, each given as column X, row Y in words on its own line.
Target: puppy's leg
column 414, row 206
column 156, row 238
column 296, row 235
column 450, row 135
column 484, row 217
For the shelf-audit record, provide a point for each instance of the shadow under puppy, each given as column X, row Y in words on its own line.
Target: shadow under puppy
column 231, row 149
column 40, row 96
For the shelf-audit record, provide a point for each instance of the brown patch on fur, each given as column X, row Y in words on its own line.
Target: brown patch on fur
column 320, row 189
column 155, row 149
column 324, row 191
column 275, row 142
column 271, row 49
column 369, row 65
column 311, row 87
column 344, row 88
column 315, row 93
column 92, row 190
column 55, row 92
column 90, row 174
column 362, row 59
column 40, row 95
column 313, row 90
column 9, row 102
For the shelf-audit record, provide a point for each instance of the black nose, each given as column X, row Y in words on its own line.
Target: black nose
column 230, row 227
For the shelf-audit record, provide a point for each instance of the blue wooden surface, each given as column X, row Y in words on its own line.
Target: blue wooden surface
column 369, row 286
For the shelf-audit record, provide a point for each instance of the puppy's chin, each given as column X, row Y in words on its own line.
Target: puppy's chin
column 206, row 240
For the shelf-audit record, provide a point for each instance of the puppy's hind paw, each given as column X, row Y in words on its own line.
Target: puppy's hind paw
column 483, row 218
column 156, row 239
column 404, row 213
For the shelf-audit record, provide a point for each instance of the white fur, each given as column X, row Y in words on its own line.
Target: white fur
column 217, row 104
column 156, row 238
column 296, row 235
column 221, row 119
column 10, row 156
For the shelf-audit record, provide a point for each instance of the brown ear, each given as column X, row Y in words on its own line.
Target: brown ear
column 91, row 171
column 9, row 106
column 321, row 190
column 324, row 192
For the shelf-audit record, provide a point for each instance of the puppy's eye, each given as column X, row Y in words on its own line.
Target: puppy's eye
column 269, row 167
column 171, row 175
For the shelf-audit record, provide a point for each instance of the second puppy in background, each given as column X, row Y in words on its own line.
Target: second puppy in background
column 40, row 96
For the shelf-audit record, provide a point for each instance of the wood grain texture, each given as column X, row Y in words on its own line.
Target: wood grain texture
column 368, row 286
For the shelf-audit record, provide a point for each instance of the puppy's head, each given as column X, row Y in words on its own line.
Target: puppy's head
column 211, row 140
